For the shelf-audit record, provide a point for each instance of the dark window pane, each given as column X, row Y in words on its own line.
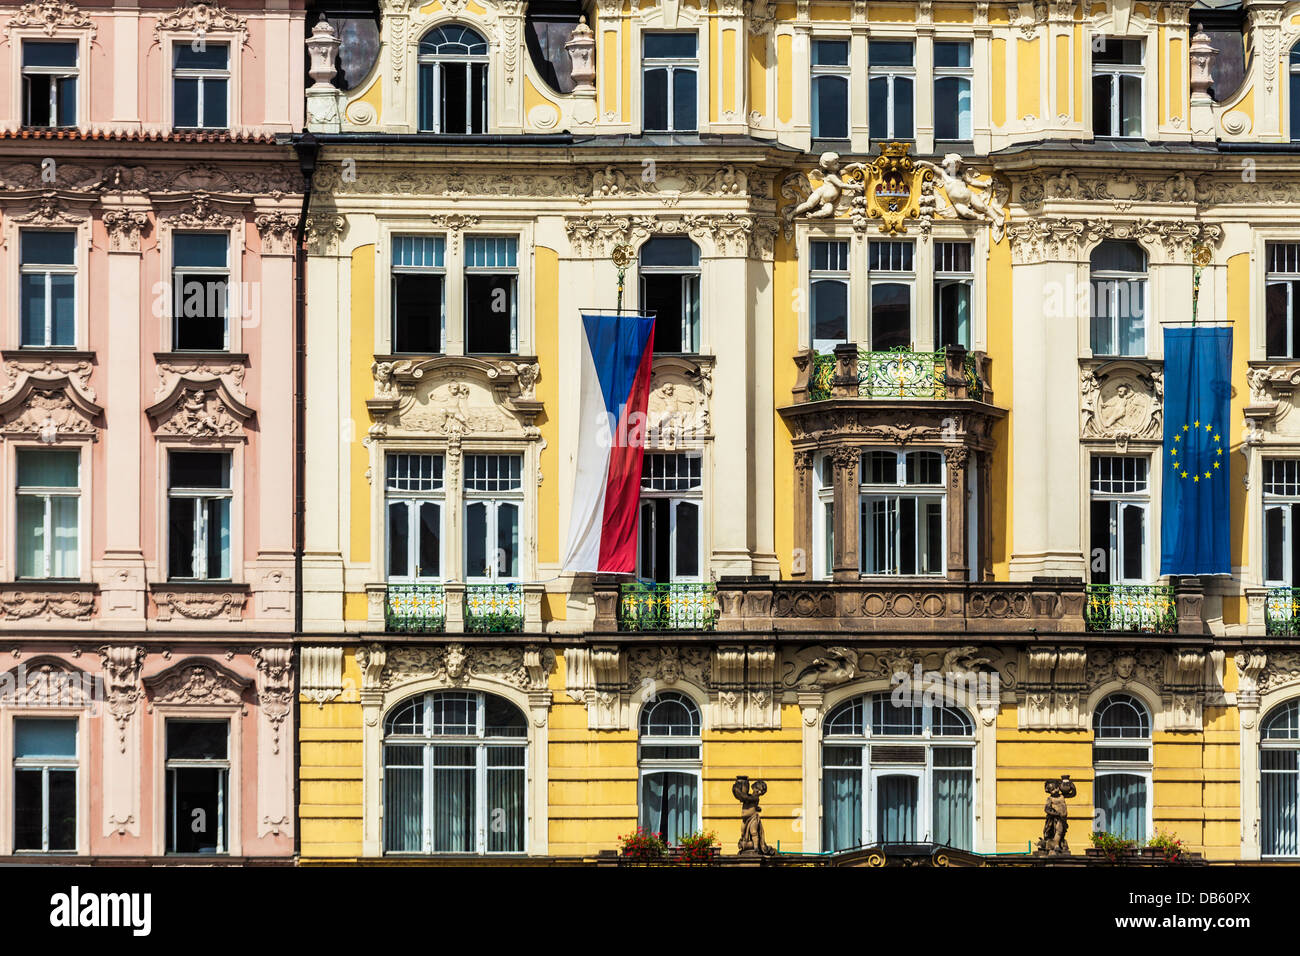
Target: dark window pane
column 830, row 310
column 830, row 107
column 63, row 809
column 1115, row 50
column 662, row 295
column 417, row 313
column 952, row 108
column 36, row 100
column 902, row 108
column 951, row 54
column 214, row 104
column 67, row 98
column 185, row 105
column 1295, row 107
column 1133, row 543
column 684, row 101
column 430, row 555
column 1274, row 543
column 952, row 314
column 476, row 540
column 1115, row 255
column 830, row 53
column 197, row 739
column 674, row 46
column 489, row 313
column 180, row 538
column 427, row 105
column 38, row 53
column 45, row 737
column 478, row 98
column 455, row 107
column 890, row 53
column 209, row 56
column 1130, row 105
column 28, row 807
column 200, row 469
column 1101, row 106
column 688, row 540
column 670, row 251
column 48, row 248
column 878, row 103
column 655, row 99
column 398, row 539
column 891, row 316
column 197, row 801
column 1100, row 540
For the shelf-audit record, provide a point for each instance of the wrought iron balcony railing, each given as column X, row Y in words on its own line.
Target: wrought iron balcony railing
column 677, row 606
column 415, row 608
column 1131, row 607
column 494, row 608
column 1282, row 612
column 899, row 374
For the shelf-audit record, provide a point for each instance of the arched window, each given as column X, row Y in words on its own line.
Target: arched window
column 1121, row 760
column 897, row 772
column 453, row 81
column 670, row 287
column 455, row 774
column 669, row 761
column 1279, row 781
column 1119, row 298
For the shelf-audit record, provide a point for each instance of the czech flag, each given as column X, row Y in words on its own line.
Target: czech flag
column 617, row 351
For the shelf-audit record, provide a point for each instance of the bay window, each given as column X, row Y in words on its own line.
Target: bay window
column 669, row 79
column 1120, row 501
column 892, row 276
column 48, row 529
column 891, row 77
column 669, row 270
column 455, row 775
column 1279, row 781
column 1116, row 87
column 669, row 542
column 953, row 280
column 491, row 294
column 49, row 83
column 48, row 282
column 199, row 498
column 45, row 784
column 419, row 294
column 494, row 497
column 830, row 89
column 670, row 765
column 200, row 85
column 828, row 282
column 952, row 90
column 198, row 786
column 897, row 773
column 414, row 502
column 1282, row 299
column 200, row 292
column 1118, row 275
column 901, row 502
column 1121, row 757
column 453, row 94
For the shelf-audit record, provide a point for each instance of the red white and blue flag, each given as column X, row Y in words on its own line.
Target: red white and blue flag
column 615, row 388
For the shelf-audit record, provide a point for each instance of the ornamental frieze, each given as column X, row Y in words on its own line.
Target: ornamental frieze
column 28, row 603
column 196, row 680
column 526, row 668
column 157, row 180
column 172, row 602
column 730, row 234
column 455, row 397
column 1061, row 238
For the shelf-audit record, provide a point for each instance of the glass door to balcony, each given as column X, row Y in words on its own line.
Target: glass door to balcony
column 898, row 797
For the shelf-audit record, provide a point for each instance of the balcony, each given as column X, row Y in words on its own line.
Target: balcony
column 651, row 606
column 1282, row 612
column 415, row 609
column 494, row 608
column 898, row 375
column 454, row 608
column 1149, row 608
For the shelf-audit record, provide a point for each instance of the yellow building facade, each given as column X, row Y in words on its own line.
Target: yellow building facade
column 899, row 531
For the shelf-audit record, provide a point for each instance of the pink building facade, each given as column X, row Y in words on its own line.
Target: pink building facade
column 148, row 231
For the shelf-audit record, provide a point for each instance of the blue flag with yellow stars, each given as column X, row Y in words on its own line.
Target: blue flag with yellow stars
column 1194, row 506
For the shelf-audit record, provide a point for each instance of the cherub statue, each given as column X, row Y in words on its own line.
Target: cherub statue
column 825, row 199
column 1056, row 821
column 752, row 839
column 956, row 179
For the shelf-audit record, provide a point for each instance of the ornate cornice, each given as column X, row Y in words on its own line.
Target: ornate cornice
column 49, row 408
column 200, row 410
column 196, row 680
column 201, row 19
column 1062, row 238
column 51, row 17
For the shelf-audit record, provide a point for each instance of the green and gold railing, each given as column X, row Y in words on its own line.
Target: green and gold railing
column 899, row 374
column 1131, row 607
column 1282, row 612
column 644, row 606
column 415, row 608
column 494, row 608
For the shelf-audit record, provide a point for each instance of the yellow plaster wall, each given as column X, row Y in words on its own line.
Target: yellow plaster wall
column 999, row 342
column 785, row 342
column 330, row 797
column 1234, row 608
column 1028, row 79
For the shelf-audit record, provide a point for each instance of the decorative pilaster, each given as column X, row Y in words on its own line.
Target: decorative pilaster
column 121, row 739
column 847, row 566
column 275, row 692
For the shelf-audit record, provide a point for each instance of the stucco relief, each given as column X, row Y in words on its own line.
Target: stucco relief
column 196, row 680
column 48, row 408
column 1063, row 238
column 527, row 668
column 47, row 682
column 455, row 398
column 198, row 605
column 122, row 688
column 33, row 602
column 170, row 372
column 51, row 17
column 1271, row 413
column 1121, row 403
column 200, row 409
column 678, row 409
column 17, row 369
column 201, row 19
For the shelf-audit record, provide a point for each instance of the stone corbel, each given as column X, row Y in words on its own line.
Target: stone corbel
column 1183, row 691
column 1250, row 664
column 1035, row 691
column 728, row 690
column 321, row 679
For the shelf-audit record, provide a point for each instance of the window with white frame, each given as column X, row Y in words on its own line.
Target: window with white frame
column 49, row 83
column 1282, row 300
column 455, row 775
column 897, row 772
column 669, row 272
column 828, row 287
column 48, row 288
column 830, row 88
column 491, row 294
column 199, row 496
column 45, row 785
column 669, row 545
column 892, row 278
column 954, row 279
column 901, row 504
column 419, row 276
column 891, row 78
column 494, row 499
column 48, row 538
column 414, row 499
column 201, row 85
column 670, row 82
column 1121, row 762
column 1279, row 781
column 1118, row 275
column 669, row 760
column 200, row 291
column 952, row 90
column 453, row 95
column 198, row 786
column 1293, row 77
column 1119, row 507
column 1117, row 69
column 1282, row 522
column 824, row 518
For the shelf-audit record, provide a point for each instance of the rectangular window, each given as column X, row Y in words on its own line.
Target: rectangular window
column 49, row 514
column 1119, row 506
column 494, row 499
column 453, row 95
column 892, row 278
column 954, row 278
column 45, row 784
column 419, row 294
column 824, row 518
column 1118, row 277
column 198, row 786
column 49, row 83
column 828, row 281
column 491, row 293
column 1282, row 299
column 669, row 543
column 200, row 85
column 891, row 76
column 901, row 513
column 830, row 89
column 198, row 524
column 670, row 70
column 48, row 288
column 200, row 292
column 1282, row 522
column 415, row 501
column 669, row 270
column 1116, row 87
column 952, row 90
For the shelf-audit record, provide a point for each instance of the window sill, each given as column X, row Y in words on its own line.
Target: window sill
column 200, row 355
column 197, row 584
column 49, row 584
column 59, row 353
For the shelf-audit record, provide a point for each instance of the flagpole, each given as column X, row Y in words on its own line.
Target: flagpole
column 1201, row 257
column 622, row 258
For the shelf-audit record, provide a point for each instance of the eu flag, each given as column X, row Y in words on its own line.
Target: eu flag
column 1194, row 507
